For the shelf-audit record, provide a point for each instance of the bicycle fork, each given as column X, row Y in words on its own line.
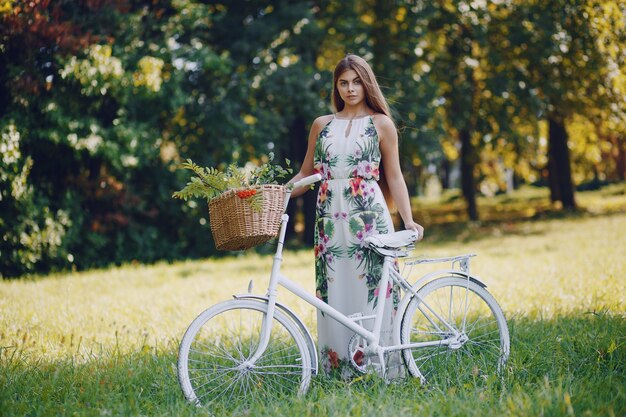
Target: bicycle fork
column 272, row 293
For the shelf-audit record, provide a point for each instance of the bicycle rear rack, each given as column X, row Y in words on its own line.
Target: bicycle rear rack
column 462, row 260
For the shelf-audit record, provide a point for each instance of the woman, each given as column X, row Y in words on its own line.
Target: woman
column 350, row 148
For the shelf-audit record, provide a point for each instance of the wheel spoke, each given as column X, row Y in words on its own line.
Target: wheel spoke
column 478, row 343
column 211, row 371
column 217, row 347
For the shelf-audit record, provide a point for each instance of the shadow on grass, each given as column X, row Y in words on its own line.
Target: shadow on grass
column 466, row 231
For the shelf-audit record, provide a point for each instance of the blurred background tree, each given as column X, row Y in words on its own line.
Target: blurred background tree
column 100, row 100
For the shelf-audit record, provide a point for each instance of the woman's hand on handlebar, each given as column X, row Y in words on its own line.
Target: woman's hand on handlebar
column 301, row 182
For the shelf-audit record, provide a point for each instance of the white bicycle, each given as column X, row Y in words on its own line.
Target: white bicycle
column 253, row 348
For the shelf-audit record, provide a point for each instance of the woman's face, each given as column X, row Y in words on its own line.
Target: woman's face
column 350, row 88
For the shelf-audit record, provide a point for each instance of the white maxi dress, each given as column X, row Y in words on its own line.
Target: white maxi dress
column 350, row 206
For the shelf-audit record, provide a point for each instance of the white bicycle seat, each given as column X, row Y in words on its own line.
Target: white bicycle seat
column 395, row 240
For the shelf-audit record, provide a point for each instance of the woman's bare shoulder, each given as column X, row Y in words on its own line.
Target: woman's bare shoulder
column 319, row 123
column 323, row 120
column 384, row 126
column 382, row 120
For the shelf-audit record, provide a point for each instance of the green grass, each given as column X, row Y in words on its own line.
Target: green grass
column 104, row 342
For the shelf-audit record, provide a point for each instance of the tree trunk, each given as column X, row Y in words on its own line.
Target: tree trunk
column 468, row 183
column 555, row 191
column 298, row 135
column 618, row 152
column 297, row 151
column 560, row 175
column 465, row 102
column 444, row 174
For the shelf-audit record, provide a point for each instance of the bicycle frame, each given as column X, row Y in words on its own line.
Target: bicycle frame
column 373, row 336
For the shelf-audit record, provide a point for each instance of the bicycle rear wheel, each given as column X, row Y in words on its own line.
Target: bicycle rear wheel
column 469, row 341
column 213, row 364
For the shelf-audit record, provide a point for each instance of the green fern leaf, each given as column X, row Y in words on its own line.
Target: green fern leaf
column 256, row 202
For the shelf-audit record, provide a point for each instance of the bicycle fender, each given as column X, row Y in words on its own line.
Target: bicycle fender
column 454, row 272
column 295, row 318
column 419, row 284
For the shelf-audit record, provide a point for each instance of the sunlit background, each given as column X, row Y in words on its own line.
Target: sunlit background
column 100, row 102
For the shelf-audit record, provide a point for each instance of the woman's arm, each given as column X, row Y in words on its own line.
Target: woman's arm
column 393, row 173
column 307, row 165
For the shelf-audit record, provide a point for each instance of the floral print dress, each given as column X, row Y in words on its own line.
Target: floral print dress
column 350, row 207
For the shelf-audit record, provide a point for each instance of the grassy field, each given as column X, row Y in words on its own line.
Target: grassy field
column 103, row 343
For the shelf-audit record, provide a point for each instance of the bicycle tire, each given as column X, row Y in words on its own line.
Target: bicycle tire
column 215, row 347
column 474, row 313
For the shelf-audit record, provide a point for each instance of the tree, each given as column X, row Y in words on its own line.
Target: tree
column 396, row 31
column 33, row 224
column 565, row 60
column 455, row 53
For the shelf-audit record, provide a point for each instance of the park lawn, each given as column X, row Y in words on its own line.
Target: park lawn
column 104, row 342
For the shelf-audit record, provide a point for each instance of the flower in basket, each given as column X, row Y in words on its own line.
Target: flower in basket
column 210, row 182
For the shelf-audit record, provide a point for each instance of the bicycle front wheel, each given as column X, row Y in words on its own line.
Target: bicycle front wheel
column 463, row 330
column 213, row 360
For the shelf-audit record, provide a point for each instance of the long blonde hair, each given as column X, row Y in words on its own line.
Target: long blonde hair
column 374, row 98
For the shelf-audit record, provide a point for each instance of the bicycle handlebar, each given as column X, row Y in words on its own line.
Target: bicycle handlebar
column 311, row 179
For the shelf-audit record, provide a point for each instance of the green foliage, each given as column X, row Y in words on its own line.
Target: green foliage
column 30, row 232
column 105, row 98
column 91, row 129
column 210, row 182
column 270, row 173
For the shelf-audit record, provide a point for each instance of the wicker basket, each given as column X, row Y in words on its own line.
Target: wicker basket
column 236, row 226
